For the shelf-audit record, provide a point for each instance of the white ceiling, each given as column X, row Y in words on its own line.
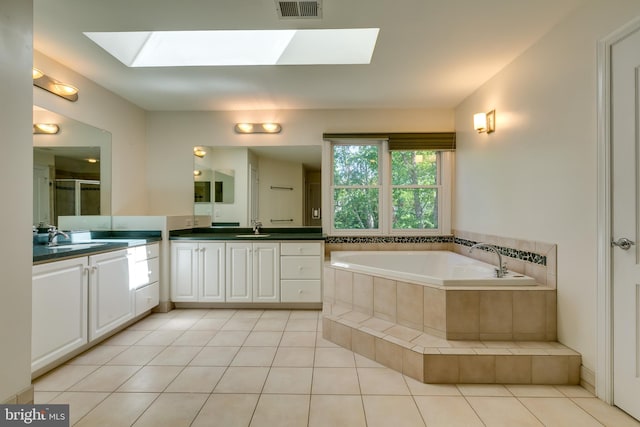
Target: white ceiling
column 429, row 54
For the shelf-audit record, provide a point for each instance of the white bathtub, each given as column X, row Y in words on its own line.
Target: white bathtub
column 440, row 268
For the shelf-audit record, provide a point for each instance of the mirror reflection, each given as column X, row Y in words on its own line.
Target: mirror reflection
column 278, row 186
column 71, row 169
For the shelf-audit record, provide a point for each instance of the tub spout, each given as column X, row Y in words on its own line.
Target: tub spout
column 501, row 270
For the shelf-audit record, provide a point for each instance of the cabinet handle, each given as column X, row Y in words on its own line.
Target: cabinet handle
column 94, row 269
column 299, row 291
column 299, row 268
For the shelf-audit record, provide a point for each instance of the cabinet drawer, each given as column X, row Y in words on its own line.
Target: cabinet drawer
column 143, row 272
column 139, row 253
column 306, row 248
column 300, row 267
column 300, row 291
column 147, row 298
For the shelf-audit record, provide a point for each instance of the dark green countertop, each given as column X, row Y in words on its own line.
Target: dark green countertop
column 241, row 233
column 103, row 241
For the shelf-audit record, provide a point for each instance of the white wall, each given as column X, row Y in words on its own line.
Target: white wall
column 172, row 135
column 98, row 107
column 16, row 160
column 278, row 203
column 535, row 178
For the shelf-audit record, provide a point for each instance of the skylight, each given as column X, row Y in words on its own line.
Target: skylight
column 239, row 47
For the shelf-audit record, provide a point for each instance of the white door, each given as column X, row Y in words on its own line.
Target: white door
column 253, row 194
column 625, row 141
column 266, row 272
column 41, row 192
column 239, row 272
column 59, row 310
column 110, row 297
column 211, row 272
column 184, row 271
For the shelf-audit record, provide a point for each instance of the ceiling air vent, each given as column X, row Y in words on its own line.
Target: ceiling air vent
column 299, row 9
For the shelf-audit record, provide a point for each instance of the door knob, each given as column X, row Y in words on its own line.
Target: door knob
column 622, row 243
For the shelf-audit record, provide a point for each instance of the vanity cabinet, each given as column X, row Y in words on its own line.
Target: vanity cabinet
column 111, row 297
column 144, row 274
column 197, row 272
column 253, row 272
column 78, row 300
column 301, row 272
column 59, row 309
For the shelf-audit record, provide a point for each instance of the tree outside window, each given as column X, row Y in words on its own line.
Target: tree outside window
column 414, row 190
column 356, row 187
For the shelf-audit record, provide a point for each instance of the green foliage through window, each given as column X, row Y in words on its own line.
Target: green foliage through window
column 414, row 177
column 357, row 184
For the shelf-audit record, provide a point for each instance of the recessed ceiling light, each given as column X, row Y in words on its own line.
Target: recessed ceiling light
column 241, row 47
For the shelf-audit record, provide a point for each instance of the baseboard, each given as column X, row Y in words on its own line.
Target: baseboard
column 25, row 397
column 250, row 305
column 163, row 307
column 588, row 379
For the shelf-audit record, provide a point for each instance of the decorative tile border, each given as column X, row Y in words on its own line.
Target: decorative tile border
column 509, row 252
column 526, row 256
column 389, row 239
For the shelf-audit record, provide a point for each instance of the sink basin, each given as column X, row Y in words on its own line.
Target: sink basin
column 74, row 246
column 253, row 235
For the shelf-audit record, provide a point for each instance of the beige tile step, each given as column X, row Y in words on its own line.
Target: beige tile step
column 432, row 359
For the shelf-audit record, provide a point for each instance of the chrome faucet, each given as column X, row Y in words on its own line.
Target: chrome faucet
column 53, row 233
column 502, row 268
column 256, row 226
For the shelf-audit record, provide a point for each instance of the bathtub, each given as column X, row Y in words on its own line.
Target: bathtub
column 439, row 268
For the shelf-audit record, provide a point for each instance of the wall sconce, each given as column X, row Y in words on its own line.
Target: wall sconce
column 197, row 172
column 485, row 122
column 45, row 128
column 199, row 152
column 63, row 90
column 257, row 128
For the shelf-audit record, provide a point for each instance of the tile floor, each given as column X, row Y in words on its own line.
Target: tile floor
column 195, row 367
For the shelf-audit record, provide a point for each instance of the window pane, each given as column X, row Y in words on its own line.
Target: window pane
column 414, row 168
column 355, row 208
column 415, row 208
column 355, row 165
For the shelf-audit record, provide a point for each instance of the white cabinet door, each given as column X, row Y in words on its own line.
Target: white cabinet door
column 266, row 272
column 238, row 272
column 111, row 300
column 184, row 271
column 59, row 310
column 211, row 272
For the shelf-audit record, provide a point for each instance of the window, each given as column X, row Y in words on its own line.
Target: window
column 356, row 187
column 414, row 190
column 381, row 191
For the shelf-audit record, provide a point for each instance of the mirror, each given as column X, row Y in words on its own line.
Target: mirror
column 71, row 169
column 278, row 186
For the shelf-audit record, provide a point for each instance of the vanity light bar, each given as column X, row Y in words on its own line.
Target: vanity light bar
column 45, row 128
column 257, row 128
column 63, row 90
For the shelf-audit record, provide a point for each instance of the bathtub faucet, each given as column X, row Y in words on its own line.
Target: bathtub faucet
column 502, row 268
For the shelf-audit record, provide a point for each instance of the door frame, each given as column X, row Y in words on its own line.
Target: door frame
column 604, row 301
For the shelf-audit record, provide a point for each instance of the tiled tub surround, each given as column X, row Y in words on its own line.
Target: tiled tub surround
column 531, row 258
column 505, row 314
column 449, row 335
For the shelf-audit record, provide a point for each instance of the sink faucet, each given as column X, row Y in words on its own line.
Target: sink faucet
column 502, row 268
column 53, row 233
column 256, row 226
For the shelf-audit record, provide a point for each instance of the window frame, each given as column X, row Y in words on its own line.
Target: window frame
column 445, row 164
